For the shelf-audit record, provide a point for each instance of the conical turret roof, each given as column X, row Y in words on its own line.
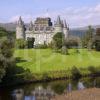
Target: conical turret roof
column 65, row 24
column 58, row 21
column 31, row 23
column 20, row 22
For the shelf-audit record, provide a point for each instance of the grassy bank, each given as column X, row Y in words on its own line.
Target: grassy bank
column 38, row 65
column 45, row 64
column 44, row 60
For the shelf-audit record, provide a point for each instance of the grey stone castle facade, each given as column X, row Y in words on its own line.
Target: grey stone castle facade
column 42, row 30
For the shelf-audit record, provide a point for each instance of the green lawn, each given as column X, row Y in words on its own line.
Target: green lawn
column 43, row 60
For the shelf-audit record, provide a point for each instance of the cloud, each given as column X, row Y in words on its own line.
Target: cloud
column 75, row 16
column 25, row 18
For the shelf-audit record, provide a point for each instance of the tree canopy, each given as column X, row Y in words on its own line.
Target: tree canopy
column 58, row 40
column 87, row 39
column 6, row 55
column 97, row 39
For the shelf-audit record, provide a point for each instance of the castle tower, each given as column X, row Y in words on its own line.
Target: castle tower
column 65, row 29
column 58, row 25
column 20, row 29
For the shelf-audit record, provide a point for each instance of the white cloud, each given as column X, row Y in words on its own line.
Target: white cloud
column 75, row 16
column 25, row 18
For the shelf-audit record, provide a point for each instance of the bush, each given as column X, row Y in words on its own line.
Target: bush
column 40, row 46
column 50, row 45
column 72, row 42
column 21, row 43
column 76, row 74
column 64, row 50
column 93, row 70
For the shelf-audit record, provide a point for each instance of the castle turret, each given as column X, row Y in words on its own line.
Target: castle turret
column 20, row 29
column 31, row 26
column 65, row 29
column 58, row 25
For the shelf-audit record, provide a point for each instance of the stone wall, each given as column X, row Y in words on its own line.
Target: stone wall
column 40, row 38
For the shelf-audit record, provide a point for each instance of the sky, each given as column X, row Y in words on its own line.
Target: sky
column 77, row 13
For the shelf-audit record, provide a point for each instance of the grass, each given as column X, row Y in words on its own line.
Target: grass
column 44, row 60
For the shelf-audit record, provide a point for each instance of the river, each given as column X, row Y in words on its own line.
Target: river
column 46, row 90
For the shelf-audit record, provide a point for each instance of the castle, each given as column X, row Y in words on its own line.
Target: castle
column 42, row 30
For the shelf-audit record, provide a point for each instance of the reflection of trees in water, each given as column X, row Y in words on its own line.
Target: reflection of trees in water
column 18, row 94
column 80, row 86
column 49, row 90
column 91, row 82
column 39, row 93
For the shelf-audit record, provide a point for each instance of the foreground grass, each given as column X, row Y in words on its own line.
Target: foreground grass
column 44, row 60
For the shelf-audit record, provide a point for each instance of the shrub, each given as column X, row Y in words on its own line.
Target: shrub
column 64, row 50
column 40, row 46
column 76, row 74
column 93, row 70
column 21, row 43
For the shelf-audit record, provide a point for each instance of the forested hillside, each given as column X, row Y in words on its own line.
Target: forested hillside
column 5, row 33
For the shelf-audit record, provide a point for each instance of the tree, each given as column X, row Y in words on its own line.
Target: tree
column 87, row 39
column 6, row 55
column 97, row 39
column 72, row 42
column 21, row 43
column 58, row 40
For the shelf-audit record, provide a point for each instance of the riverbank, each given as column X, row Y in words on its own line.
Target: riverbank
column 24, row 82
column 86, row 94
column 45, row 65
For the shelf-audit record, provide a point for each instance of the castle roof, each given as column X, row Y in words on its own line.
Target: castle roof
column 20, row 22
column 31, row 24
column 65, row 24
column 59, row 22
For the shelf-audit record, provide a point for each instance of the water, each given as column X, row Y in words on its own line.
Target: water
column 45, row 91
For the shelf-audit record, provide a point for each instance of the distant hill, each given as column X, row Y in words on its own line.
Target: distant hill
column 8, row 26
column 86, row 27
column 76, row 32
column 5, row 33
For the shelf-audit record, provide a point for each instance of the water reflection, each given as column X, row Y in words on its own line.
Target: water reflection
column 80, row 86
column 69, row 88
column 29, row 98
column 41, row 93
column 45, row 91
column 18, row 94
column 38, row 94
